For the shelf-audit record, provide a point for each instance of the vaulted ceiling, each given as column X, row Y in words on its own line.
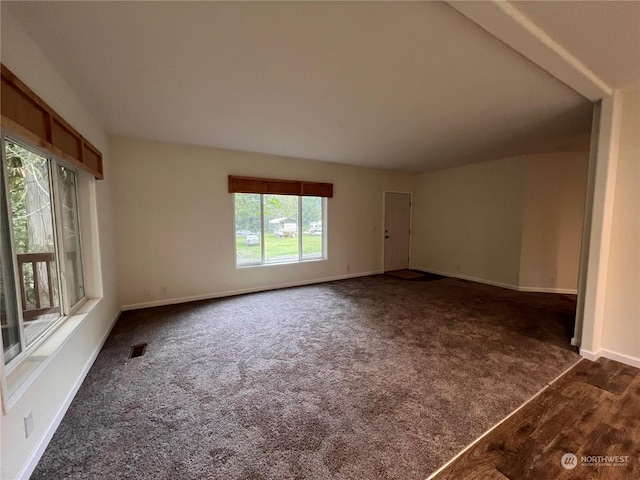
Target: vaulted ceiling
column 401, row 85
column 605, row 35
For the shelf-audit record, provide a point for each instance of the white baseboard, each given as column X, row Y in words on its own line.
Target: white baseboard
column 620, row 357
column 589, row 355
column 493, row 283
column 571, row 291
column 42, row 444
column 230, row 293
column 611, row 355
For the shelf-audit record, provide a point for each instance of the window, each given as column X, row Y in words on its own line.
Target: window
column 41, row 278
column 70, row 234
column 273, row 228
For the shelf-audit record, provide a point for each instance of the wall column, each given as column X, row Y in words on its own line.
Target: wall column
column 603, row 180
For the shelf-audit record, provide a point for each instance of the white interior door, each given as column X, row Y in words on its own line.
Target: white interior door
column 397, row 227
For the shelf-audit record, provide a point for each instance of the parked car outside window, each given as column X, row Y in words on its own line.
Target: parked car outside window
column 251, row 240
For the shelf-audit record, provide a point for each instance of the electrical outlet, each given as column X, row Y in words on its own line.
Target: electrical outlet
column 164, row 290
column 552, row 281
column 458, row 267
column 28, row 424
column 146, row 291
column 348, row 268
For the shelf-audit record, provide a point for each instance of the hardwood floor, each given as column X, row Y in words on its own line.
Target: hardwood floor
column 592, row 410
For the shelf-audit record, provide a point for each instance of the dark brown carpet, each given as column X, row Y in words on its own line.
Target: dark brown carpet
column 357, row 379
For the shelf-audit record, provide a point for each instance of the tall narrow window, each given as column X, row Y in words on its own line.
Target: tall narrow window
column 9, row 319
column 281, row 228
column 34, row 238
column 248, row 229
column 70, row 234
column 312, row 239
column 273, row 228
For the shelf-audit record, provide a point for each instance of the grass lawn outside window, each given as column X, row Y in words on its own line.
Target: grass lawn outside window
column 280, row 249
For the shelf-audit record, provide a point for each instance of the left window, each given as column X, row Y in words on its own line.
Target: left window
column 41, row 277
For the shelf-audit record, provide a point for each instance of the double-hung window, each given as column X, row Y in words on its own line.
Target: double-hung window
column 41, row 273
column 272, row 228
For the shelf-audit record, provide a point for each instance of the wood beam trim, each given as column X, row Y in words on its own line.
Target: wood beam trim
column 239, row 184
column 26, row 114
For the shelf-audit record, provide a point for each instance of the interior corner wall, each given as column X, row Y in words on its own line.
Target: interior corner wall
column 50, row 393
column 553, row 214
column 175, row 221
column 621, row 319
column 467, row 221
column 514, row 222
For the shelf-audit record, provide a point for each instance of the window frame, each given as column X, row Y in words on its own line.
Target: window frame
column 66, row 310
column 300, row 259
column 61, row 245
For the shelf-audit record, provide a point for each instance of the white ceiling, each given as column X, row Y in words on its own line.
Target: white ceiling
column 604, row 35
column 408, row 86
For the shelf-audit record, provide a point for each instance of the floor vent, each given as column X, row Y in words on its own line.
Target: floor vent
column 138, row 350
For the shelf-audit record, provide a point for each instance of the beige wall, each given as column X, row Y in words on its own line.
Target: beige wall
column 467, row 221
column 514, row 222
column 553, row 214
column 47, row 395
column 175, row 226
column 621, row 323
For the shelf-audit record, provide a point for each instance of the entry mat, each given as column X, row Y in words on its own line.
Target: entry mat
column 406, row 274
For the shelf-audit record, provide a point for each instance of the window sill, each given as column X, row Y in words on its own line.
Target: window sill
column 23, row 375
column 272, row 264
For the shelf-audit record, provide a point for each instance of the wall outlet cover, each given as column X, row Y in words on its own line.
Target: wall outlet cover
column 28, row 424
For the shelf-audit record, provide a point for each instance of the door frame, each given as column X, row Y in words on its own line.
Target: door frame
column 384, row 211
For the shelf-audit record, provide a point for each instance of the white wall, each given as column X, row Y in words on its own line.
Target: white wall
column 621, row 320
column 467, row 221
column 553, row 213
column 175, row 225
column 49, row 393
column 513, row 222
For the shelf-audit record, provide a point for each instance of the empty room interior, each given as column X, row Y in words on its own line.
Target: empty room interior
column 308, row 240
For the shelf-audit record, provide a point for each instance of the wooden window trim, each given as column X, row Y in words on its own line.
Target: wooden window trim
column 55, row 135
column 280, row 187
